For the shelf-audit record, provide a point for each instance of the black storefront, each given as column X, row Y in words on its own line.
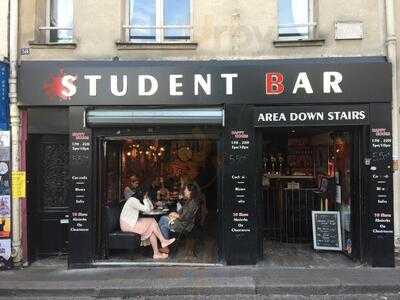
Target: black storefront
column 232, row 101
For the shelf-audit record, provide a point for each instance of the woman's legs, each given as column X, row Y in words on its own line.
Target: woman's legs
column 164, row 226
column 154, row 245
column 156, row 231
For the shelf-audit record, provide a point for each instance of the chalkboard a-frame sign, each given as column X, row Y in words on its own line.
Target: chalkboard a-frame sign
column 326, row 230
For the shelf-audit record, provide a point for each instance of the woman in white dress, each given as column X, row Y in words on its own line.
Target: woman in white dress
column 146, row 227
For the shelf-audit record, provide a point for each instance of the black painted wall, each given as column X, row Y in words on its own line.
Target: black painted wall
column 380, row 193
column 81, row 197
column 241, row 242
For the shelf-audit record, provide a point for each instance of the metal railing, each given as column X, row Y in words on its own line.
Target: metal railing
column 288, row 214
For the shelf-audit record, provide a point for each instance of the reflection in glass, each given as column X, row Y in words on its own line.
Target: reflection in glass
column 142, row 13
column 177, row 13
column 290, row 14
column 61, row 15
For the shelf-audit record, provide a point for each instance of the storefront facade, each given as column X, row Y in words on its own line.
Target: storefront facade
column 231, row 100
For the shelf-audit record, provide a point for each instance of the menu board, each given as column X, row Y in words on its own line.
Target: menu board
column 80, row 153
column 239, row 154
column 241, row 244
column 80, row 162
column 326, row 230
column 380, row 181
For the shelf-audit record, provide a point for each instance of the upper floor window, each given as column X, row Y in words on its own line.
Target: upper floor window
column 295, row 19
column 159, row 21
column 58, row 21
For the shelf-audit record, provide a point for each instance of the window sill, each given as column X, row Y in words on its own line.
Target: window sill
column 38, row 45
column 156, row 46
column 299, row 43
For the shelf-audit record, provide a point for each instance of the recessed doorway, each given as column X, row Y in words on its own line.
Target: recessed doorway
column 162, row 164
column 307, row 169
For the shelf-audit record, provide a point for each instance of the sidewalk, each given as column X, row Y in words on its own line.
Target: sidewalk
column 57, row 281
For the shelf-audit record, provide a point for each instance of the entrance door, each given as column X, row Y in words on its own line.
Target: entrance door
column 310, row 169
column 48, row 195
column 169, row 156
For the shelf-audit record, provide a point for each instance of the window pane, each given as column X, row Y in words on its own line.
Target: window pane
column 142, row 13
column 177, row 13
column 61, row 15
column 293, row 12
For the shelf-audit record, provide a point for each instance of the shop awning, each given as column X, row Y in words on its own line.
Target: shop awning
column 156, row 116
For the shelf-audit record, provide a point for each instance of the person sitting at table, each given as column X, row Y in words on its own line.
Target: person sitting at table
column 163, row 192
column 153, row 189
column 184, row 179
column 146, row 227
column 183, row 221
column 133, row 188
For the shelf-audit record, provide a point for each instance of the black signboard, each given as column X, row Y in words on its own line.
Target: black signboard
column 381, row 178
column 326, row 230
column 80, row 237
column 240, row 213
column 316, row 115
column 380, row 188
column 66, row 83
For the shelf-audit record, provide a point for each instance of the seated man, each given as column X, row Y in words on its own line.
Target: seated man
column 183, row 221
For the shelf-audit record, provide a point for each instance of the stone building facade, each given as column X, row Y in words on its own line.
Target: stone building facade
column 225, row 30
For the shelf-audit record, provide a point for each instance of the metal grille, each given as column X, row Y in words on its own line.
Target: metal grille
column 54, row 171
column 288, row 214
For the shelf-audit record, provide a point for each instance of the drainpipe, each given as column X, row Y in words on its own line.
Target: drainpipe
column 15, row 130
column 391, row 54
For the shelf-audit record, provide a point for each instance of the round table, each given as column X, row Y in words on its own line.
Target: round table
column 155, row 213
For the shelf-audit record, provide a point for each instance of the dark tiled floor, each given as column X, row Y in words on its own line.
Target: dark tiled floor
column 205, row 252
column 291, row 255
column 276, row 255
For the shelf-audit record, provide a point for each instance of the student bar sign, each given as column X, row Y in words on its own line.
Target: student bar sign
column 66, row 83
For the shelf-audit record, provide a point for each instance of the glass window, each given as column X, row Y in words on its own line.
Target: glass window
column 177, row 13
column 294, row 18
column 143, row 14
column 159, row 20
column 61, row 16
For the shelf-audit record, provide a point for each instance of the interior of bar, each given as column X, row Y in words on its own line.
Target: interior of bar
column 305, row 169
column 159, row 169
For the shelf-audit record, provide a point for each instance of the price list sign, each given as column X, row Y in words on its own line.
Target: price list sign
column 326, row 230
column 381, row 179
column 80, row 153
column 239, row 155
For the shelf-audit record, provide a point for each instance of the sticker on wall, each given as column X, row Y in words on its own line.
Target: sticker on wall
column 4, row 185
column 5, row 226
column 5, row 139
column 5, row 206
column 3, row 168
column 4, row 150
column 5, row 254
column 5, row 249
column 4, row 154
column 18, row 184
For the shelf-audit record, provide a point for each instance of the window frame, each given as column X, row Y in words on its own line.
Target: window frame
column 47, row 28
column 312, row 25
column 159, row 27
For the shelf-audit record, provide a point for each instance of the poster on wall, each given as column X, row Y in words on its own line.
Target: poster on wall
column 5, row 254
column 5, row 213
column 18, row 184
column 5, row 249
